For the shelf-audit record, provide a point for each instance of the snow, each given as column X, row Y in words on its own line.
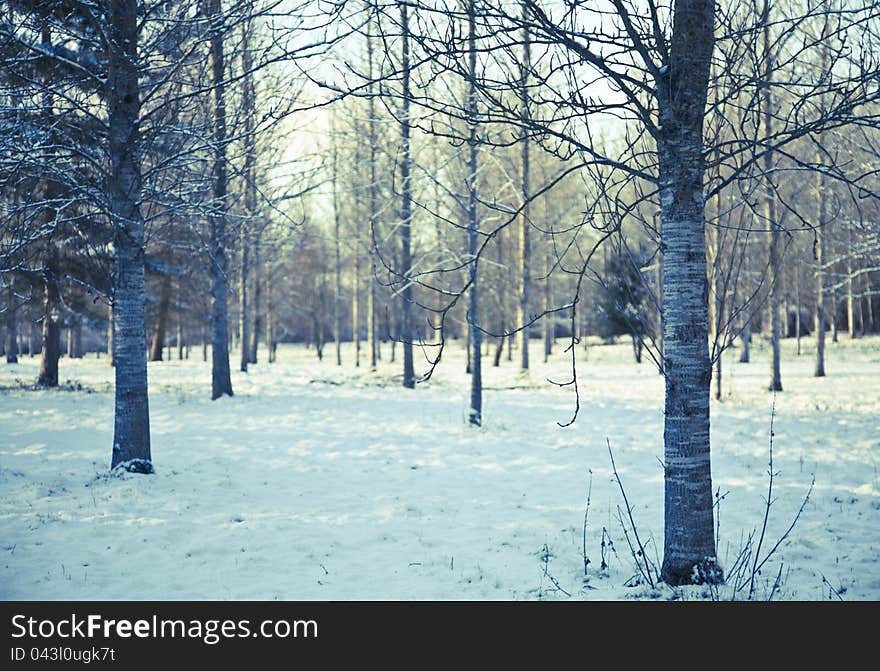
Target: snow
column 321, row 482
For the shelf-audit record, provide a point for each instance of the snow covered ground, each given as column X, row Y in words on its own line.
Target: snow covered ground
column 321, row 482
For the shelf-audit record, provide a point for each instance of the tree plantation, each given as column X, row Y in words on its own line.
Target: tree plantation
column 440, row 299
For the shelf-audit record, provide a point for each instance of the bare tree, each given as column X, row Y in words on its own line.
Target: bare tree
column 337, row 244
column 475, row 414
column 221, row 382
column 821, row 231
column 770, row 217
column 131, row 434
column 525, row 249
column 372, row 328
column 409, row 376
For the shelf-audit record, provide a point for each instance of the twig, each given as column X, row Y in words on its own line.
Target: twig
column 631, row 520
column 586, row 517
column 635, row 553
column 603, row 565
column 791, row 526
column 768, row 503
column 740, row 564
column 757, row 562
column 776, row 583
column 718, row 499
column 831, row 589
column 545, row 557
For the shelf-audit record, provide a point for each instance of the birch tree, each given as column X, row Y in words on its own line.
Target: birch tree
column 221, row 382
column 770, row 216
column 248, row 337
column 406, row 291
column 525, row 248
column 373, row 197
column 475, row 414
column 131, row 432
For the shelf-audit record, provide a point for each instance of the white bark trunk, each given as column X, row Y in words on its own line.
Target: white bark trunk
column 774, row 261
column 409, row 376
column 475, row 415
column 221, row 382
column 689, row 546
column 131, row 436
column 525, row 251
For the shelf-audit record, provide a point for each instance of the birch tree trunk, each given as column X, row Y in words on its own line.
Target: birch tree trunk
column 660, row 349
column 745, row 333
column 549, row 319
column 524, row 242
column 50, row 350
column 131, row 431
column 467, row 346
column 850, row 301
column 356, row 279
column 372, row 333
column 773, row 298
column 502, row 306
column 822, row 229
column 405, row 328
column 746, row 338
column 834, row 336
column 437, row 325
column 717, row 304
column 356, row 290
column 797, row 306
column 243, row 326
column 391, row 323
column 499, row 350
column 158, row 344
column 337, row 284
column 23, row 344
column 861, row 313
column 689, row 543
column 257, row 303
column 74, row 337
column 250, row 194
column 11, row 324
column 221, row 382
column 270, row 323
column 110, row 358
column 179, row 312
column 475, row 416
column 12, row 348
column 317, row 318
